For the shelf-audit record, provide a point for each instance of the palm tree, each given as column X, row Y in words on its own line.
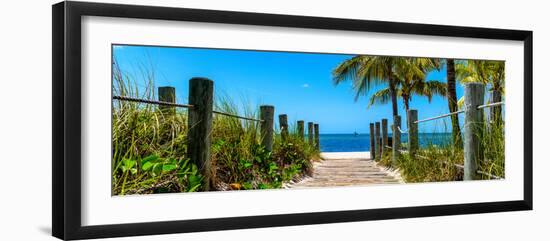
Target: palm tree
column 410, row 76
column 453, row 102
column 490, row 73
column 365, row 71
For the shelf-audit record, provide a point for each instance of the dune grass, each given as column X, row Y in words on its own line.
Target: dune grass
column 439, row 162
column 149, row 147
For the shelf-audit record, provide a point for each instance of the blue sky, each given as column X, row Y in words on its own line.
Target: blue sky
column 297, row 84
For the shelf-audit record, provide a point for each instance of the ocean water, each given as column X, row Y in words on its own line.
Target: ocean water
column 361, row 142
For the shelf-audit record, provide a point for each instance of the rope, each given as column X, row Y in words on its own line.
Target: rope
column 154, row 102
column 399, row 129
column 491, row 105
column 235, row 116
column 441, row 116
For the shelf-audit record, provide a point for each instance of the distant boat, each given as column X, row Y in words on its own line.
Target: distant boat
column 355, row 133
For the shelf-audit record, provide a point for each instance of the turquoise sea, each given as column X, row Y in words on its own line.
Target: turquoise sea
column 361, row 142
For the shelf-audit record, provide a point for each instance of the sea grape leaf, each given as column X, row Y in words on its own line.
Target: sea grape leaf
column 168, row 167
column 150, row 158
column 147, row 166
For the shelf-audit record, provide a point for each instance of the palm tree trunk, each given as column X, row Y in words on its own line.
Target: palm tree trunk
column 393, row 94
column 452, row 100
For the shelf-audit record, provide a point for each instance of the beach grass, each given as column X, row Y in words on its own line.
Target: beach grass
column 442, row 161
column 150, row 144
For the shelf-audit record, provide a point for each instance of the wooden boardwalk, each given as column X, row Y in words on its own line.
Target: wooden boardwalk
column 347, row 169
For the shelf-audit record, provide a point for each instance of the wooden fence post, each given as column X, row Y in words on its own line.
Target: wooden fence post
column 413, row 131
column 384, row 135
column 372, row 142
column 283, row 125
column 300, row 125
column 396, row 140
column 167, row 94
column 310, row 132
column 473, row 129
column 201, row 93
column 317, row 144
column 266, row 126
column 378, row 141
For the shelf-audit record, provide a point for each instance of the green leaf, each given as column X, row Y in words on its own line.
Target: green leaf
column 168, row 167
column 264, row 186
column 147, row 166
column 133, row 170
column 247, row 185
column 247, row 164
column 194, row 180
column 192, row 189
column 157, row 168
column 150, row 158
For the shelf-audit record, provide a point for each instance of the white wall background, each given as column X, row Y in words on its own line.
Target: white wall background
column 25, row 120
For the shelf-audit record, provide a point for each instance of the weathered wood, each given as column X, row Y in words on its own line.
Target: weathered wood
column 384, row 135
column 378, row 141
column 300, row 125
column 372, row 141
column 283, row 125
column 266, row 127
column 396, row 142
column 346, row 171
column 413, row 130
column 167, row 94
column 317, row 143
column 310, row 132
column 473, row 129
column 201, row 92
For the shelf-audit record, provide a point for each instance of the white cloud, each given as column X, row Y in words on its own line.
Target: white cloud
column 305, row 85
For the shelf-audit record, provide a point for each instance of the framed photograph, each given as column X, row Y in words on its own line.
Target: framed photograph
column 170, row 120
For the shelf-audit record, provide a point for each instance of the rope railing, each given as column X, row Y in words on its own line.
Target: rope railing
column 164, row 103
column 459, row 112
column 235, row 116
column 491, row 105
column 474, row 96
column 154, row 102
column 402, row 131
column 440, row 116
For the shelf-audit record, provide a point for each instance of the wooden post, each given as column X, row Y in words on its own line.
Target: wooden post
column 167, row 94
column 413, row 131
column 384, row 135
column 317, row 144
column 372, row 142
column 378, row 141
column 283, row 125
column 396, row 140
column 300, row 125
column 473, row 129
column 201, row 93
column 310, row 132
column 266, row 126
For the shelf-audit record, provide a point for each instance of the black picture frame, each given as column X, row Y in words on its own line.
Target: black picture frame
column 66, row 203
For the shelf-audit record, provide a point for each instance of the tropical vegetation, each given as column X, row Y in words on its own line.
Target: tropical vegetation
column 149, row 147
column 405, row 77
